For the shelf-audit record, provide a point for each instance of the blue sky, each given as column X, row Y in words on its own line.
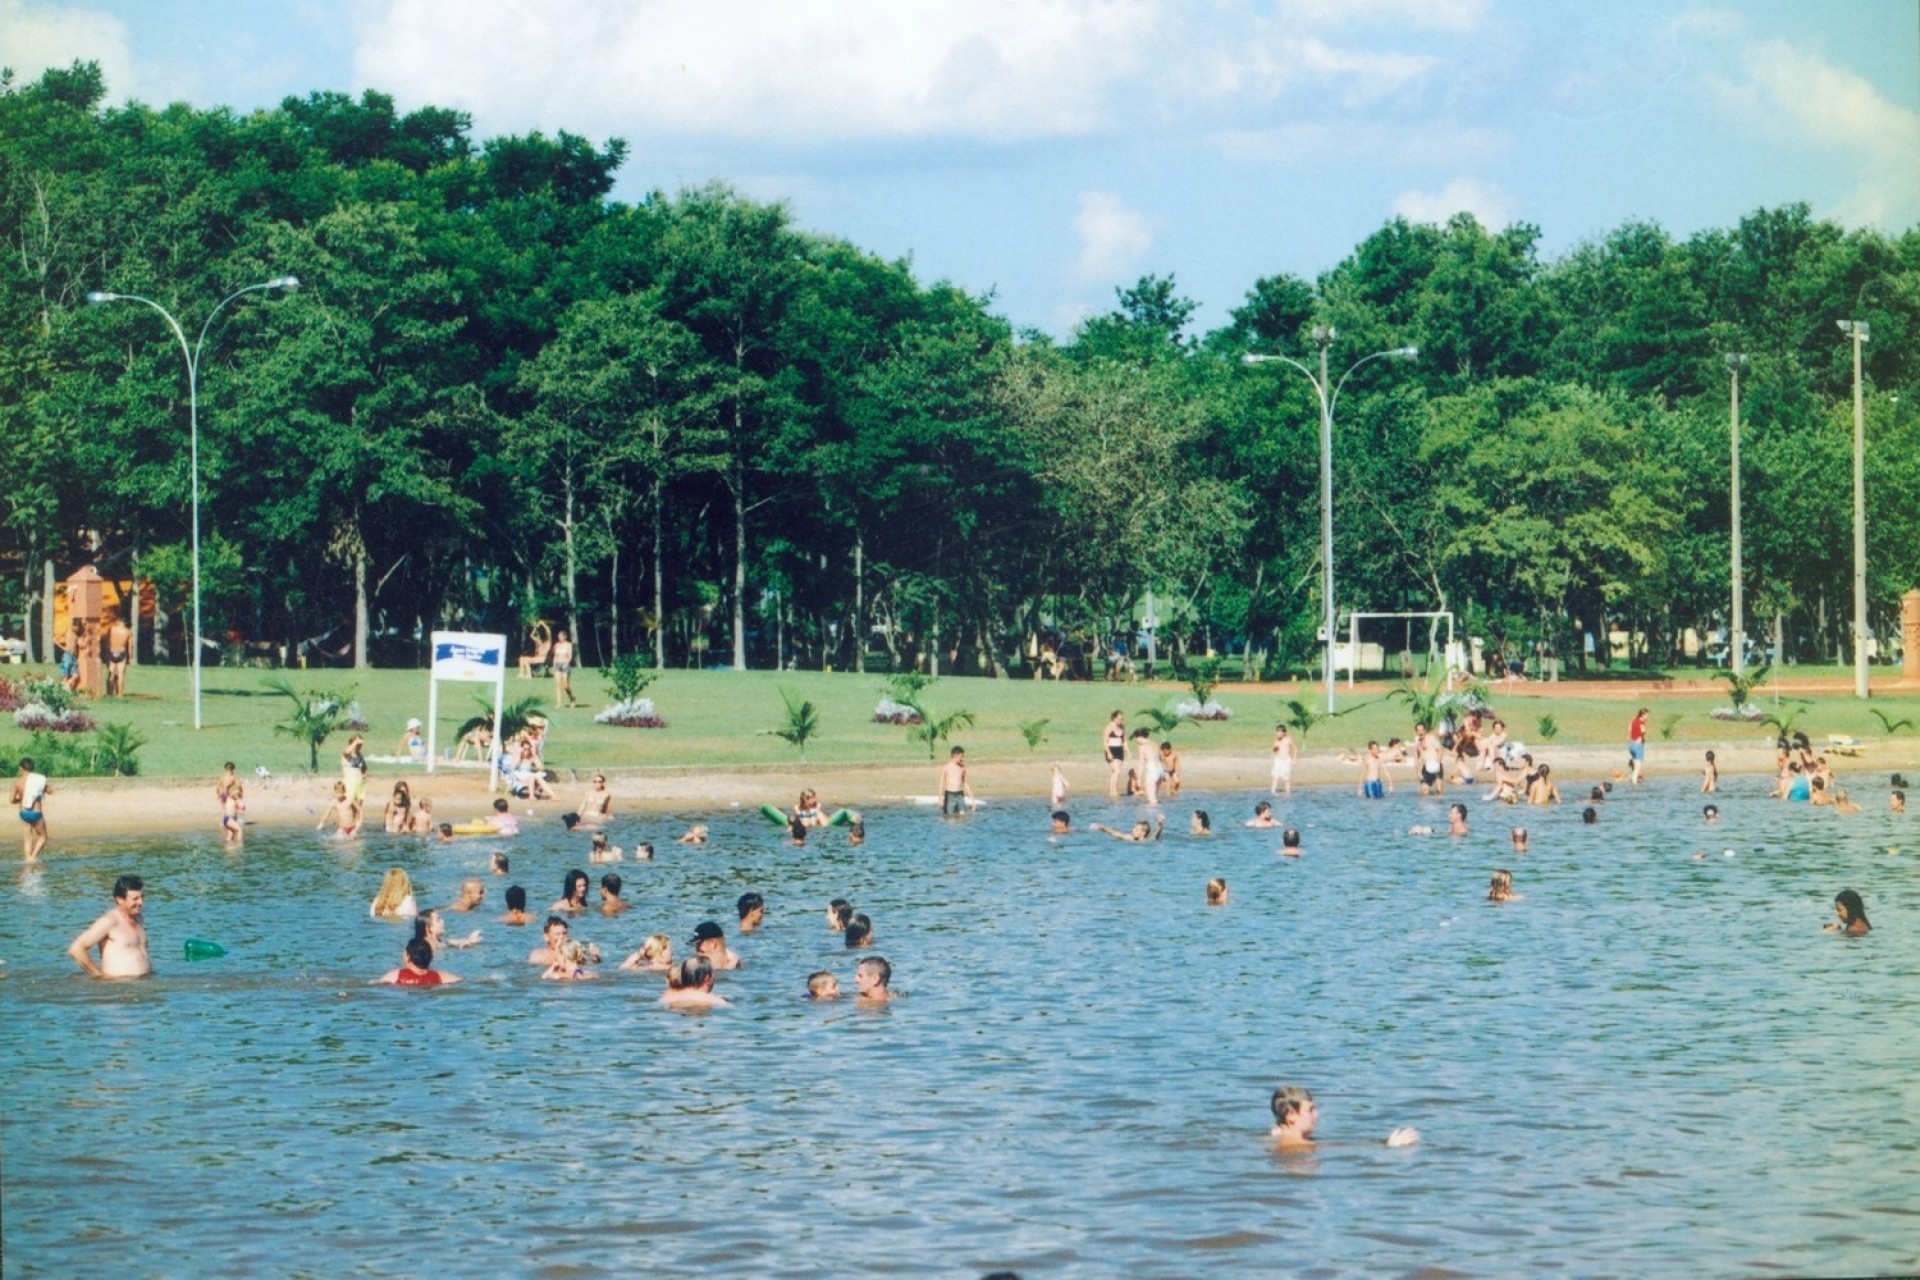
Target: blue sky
column 1050, row 150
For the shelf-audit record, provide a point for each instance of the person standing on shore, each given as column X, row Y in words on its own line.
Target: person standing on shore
column 353, row 773
column 1637, row 747
column 120, row 935
column 30, row 791
column 1285, row 752
column 1114, row 742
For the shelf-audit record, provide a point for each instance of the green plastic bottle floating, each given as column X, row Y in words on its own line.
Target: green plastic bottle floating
column 201, row 949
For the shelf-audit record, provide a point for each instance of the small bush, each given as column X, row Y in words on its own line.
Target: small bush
column 634, row 713
column 628, row 677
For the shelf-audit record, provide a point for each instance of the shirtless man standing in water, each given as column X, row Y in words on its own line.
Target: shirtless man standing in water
column 119, row 934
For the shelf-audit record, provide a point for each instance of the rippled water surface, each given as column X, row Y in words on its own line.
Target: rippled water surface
column 1651, row 1065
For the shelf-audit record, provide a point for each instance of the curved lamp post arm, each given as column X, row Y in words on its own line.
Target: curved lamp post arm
column 289, row 283
column 1398, row 353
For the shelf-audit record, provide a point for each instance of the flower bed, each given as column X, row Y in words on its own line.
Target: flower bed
column 638, row 713
column 1208, row 710
column 887, row 711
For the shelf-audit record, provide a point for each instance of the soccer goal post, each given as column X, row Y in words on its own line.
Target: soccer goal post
column 1385, row 639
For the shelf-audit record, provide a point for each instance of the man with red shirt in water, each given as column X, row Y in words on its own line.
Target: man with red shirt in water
column 1637, row 747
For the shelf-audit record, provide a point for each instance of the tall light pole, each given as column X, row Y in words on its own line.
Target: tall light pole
column 1735, row 365
column 1857, row 330
column 1323, row 336
column 192, row 355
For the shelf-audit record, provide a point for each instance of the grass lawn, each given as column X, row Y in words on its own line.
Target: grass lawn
column 723, row 719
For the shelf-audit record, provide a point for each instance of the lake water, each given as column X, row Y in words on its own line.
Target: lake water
column 1651, row 1065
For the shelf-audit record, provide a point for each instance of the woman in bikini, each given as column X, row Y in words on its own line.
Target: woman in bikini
column 1114, row 742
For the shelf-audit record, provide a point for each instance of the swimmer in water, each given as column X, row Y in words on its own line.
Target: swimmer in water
column 418, row 971
column 1143, row 830
column 1262, row 816
column 1290, row 843
column 1296, row 1117
column 611, row 903
column 753, row 909
column 516, row 907
column 120, row 935
column 1217, row 892
column 710, row 945
column 601, row 851
column 473, row 892
column 655, row 955
column 1501, row 888
column 1062, row 822
column 1709, row 776
column 808, row 811
column 570, row 963
column 1201, row 825
column 1852, row 912
column 1711, row 813
column 1519, row 838
column 859, row 932
column 872, row 979
column 822, row 986
column 690, row 986
column 573, row 893
column 1457, row 820
column 1897, row 801
column 695, row 834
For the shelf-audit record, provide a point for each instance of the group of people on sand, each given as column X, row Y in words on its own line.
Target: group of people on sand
column 1155, row 771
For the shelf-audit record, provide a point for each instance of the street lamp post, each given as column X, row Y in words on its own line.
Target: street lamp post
column 1323, row 336
column 192, row 356
column 1735, row 365
column 1857, row 330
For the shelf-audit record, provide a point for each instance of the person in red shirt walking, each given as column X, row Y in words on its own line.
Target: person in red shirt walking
column 1637, row 747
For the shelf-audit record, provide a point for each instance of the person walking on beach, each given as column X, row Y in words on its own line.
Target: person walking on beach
column 30, row 791
column 563, row 671
column 120, row 935
column 1637, row 747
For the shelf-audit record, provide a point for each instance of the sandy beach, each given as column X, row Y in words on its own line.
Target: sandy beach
column 82, row 808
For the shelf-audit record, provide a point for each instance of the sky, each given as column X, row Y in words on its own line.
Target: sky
column 1047, row 152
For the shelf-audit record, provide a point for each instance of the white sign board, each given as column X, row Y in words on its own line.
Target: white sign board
column 469, row 657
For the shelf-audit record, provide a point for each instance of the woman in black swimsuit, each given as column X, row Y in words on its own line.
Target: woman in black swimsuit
column 1115, row 741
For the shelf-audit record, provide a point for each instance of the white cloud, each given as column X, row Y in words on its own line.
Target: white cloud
column 1800, row 95
column 829, row 70
column 1113, row 238
column 33, row 39
column 807, row 69
column 1486, row 202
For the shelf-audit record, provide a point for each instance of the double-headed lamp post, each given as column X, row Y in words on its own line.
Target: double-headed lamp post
column 1737, row 364
column 1857, row 330
column 1323, row 336
column 192, row 355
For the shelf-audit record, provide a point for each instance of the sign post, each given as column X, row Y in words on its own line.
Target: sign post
column 469, row 657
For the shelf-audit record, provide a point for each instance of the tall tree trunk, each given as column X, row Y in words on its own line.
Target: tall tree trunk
column 613, row 603
column 739, row 553
column 859, row 666
column 573, row 590
column 359, row 603
column 659, row 589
